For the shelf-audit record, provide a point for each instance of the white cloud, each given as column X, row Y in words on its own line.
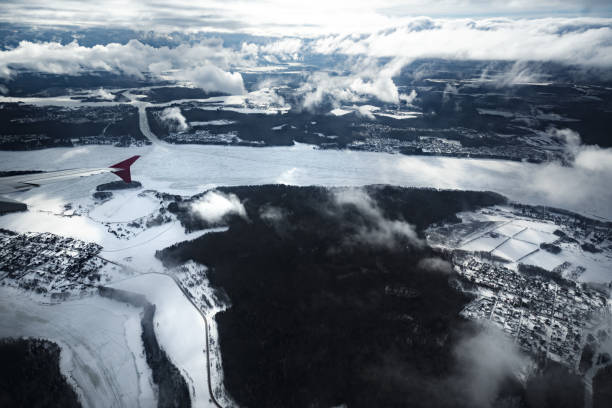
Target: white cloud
column 204, row 64
column 174, row 118
column 214, row 206
column 367, row 79
column 435, row 265
column 409, row 98
column 284, row 49
column 379, row 230
column 279, row 17
column 211, row 78
column 581, row 41
column 486, row 360
column 103, row 94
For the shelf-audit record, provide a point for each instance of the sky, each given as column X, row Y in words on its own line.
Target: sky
column 283, row 17
column 377, row 38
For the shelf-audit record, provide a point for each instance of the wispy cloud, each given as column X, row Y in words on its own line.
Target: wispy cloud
column 377, row 230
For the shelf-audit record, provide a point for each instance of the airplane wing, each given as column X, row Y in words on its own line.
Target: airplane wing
column 27, row 181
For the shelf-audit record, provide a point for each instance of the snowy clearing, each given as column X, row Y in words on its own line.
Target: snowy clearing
column 102, row 353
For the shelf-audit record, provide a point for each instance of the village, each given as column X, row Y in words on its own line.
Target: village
column 546, row 316
column 47, row 264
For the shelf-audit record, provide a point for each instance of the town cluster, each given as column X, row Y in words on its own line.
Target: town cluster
column 48, row 264
column 546, row 317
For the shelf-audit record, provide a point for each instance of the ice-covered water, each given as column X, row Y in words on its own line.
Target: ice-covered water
column 188, row 169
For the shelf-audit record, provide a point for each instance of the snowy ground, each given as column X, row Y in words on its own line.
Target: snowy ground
column 179, row 325
column 193, row 279
column 102, row 353
column 507, row 235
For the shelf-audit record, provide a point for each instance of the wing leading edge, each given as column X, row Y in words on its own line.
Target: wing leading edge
column 27, row 181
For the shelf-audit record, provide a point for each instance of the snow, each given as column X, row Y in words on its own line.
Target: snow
column 484, row 243
column 139, row 253
column 125, row 206
column 474, row 234
column 179, row 328
column 493, row 112
column 510, row 229
column 514, row 249
column 399, row 115
column 532, row 235
column 339, row 112
column 220, row 122
column 190, row 169
column 102, row 354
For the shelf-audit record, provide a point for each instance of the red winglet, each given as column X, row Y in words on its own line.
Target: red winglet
column 124, row 169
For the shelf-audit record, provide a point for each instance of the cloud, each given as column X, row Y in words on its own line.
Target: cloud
column 367, row 79
column 377, row 230
column 174, row 119
column 581, row 183
column 408, row 98
column 449, row 90
column 435, row 265
column 212, row 78
column 519, row 73
column 284, row 49
column 203, row 64
column 214, row 206
column 282, row 17
column 103, row 94
column 504, row 39
column 485, row 360
column 272, row 214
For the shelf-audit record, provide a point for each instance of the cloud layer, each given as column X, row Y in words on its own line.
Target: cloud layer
column 203, row 64
column 280, row 17
column 582, row 41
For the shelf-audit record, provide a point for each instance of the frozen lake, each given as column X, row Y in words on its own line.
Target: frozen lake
column 189, row 169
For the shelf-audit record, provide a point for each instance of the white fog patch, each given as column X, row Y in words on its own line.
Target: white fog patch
column 214, row 206
column 272, row 214
column 408, row 98
column 69, row 154
column 435, row 264
column 379, row 231
column 284, row 49
column 486, row 360
column 366, row 111
column 519, row 74
column 174, row 119
column 449, row 90
column 367, row 79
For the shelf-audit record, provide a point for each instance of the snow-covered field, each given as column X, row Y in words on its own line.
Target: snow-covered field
column 517, row 239
column 102, row 353
column 179, row 328
column 126, row 206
